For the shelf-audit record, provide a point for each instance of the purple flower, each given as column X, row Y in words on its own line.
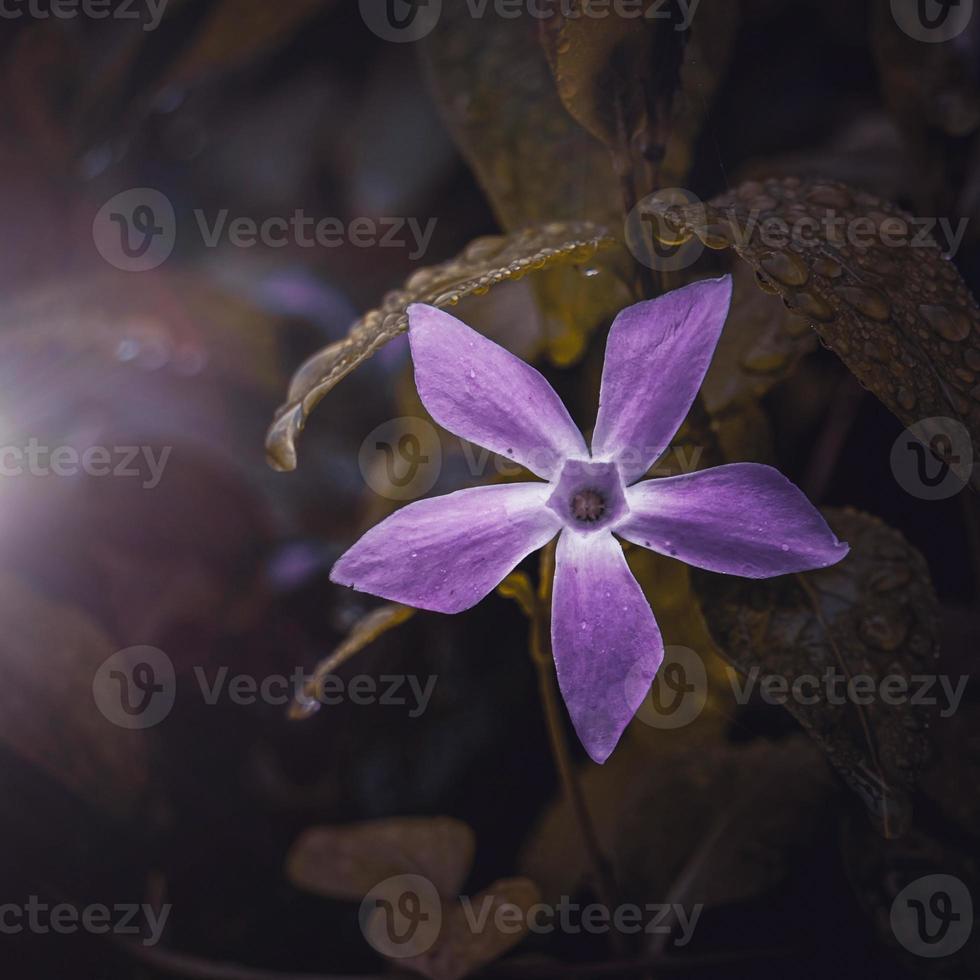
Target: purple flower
column 447, row 553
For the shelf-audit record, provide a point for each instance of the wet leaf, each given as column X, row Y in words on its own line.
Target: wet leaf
column 48, row 663
column 617, row 75
column 689, row 821
column 495, row 91
column 347, row 862
column 364, row 632
column 706, row 61
column 534, row 161
column 877, row 289
column 483, row 263
column 872, row 615
column 760, row 346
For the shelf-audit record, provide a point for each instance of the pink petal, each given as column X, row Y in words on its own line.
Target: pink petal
column 656, row 357
column 742, row 519
column 483, row 393
column 447, row 553
column 606, row 642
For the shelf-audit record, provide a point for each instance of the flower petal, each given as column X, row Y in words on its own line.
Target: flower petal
column 483, row 393
column 741, row 519
column 446, row 553
column 606, row 642
column 656, row 357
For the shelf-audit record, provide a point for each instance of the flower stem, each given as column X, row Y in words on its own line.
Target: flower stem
column 601, row 873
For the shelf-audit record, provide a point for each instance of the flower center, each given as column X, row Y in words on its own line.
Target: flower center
column 588, row 506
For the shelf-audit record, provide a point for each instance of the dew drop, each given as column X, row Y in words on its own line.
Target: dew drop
column 785, row 267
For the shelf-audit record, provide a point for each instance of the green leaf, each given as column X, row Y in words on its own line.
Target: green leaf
column 482, row 264
column 873, row 614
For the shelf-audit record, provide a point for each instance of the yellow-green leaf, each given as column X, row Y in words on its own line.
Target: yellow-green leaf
column 482, row 264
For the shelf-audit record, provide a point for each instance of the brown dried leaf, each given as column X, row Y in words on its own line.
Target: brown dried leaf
column 874, row 614
column 616, row 75
column 534, row 161
column 347, row 862
column 495, row 91
column 461, row 949
column 48, row 664
column 482, row 264
column 706, row 60
column 364, row 632
column 900, row 317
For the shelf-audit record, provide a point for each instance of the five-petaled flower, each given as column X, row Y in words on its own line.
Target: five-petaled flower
column 447, row 553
